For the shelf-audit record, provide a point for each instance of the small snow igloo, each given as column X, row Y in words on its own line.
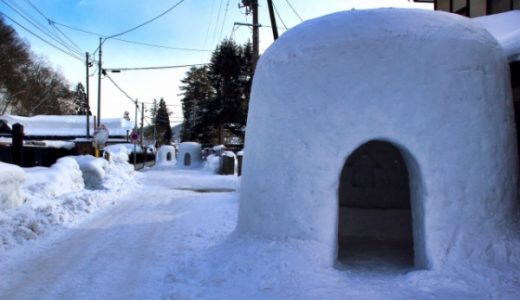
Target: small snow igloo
column 190, row 155
column 382, row 125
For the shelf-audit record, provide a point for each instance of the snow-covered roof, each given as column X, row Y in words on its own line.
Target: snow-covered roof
column 66, row 125
column 505, row 27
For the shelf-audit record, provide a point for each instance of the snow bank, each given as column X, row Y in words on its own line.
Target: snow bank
column 384, row 75
column 123, row 148
column 213, row 164
column 56, row 196
column 93, row 169
column 505, row 27
column 63, row 177
column 11, row 180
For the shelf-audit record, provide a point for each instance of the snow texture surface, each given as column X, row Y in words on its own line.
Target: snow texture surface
column 385, row 75
column 505, row 27
column 11, row 179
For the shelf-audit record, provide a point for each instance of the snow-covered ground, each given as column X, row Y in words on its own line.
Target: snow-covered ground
column 166, row 233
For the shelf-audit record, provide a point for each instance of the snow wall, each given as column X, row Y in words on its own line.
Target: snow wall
column 190, row 155
column 432, row 84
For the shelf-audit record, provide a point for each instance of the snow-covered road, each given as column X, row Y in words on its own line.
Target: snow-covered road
column 125, row 251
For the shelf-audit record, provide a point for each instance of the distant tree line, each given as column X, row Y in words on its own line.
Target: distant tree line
column 28, row 85
column 216, row 97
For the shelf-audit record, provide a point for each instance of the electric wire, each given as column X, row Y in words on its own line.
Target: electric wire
column 223, row 21
column 42, row 29
column 279, row 17
column 42, row 39
column 161, row 46
column 215, row 28
column 52, row 34
column 209, row 24
column 147, row 22
column 154, row 67
column 294, row 10
column 121, row 90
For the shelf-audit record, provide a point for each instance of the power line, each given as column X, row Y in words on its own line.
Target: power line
column 215, row 28
column 152, row 68
column 224, row 20
column 42, row 39
column 147, row 22
column 161, row 46
column 279, row 17
column 294, row 10
column 209, row 23
column 38, row 26
column 54, row 34
column 121, row 90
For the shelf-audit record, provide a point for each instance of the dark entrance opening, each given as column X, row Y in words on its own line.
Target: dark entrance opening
column 375, row 220
column 168, row 156
column 187, row 159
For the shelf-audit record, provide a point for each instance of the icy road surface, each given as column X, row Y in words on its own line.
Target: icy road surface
column 170, row 239
column 125, row 252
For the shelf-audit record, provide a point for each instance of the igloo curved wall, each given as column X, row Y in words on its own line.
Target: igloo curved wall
column 432, row 84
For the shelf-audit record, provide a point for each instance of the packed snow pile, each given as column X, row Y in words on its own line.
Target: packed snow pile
column 55, row 196
column 213, row 164
column 93, row 169
column 384, row 77
column 505, row 27
column 11, row 180
column 63, row 177
column 166, row 155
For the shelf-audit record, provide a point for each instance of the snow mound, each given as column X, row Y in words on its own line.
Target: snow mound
column 63, row 177
column 56, row 196
column 93, row 169
column 213, row 164
column 11, row 180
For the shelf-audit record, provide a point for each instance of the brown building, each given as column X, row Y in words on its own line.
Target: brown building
column 475, row 8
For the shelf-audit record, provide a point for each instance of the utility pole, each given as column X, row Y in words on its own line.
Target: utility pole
column 252, row 8
column 99, row 84
column 273, row 19
column 256, row 43
column 87, row 92
column 135, row 129
column 142, row 124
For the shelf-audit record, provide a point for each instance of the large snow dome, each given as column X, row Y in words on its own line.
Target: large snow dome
column 382, row 125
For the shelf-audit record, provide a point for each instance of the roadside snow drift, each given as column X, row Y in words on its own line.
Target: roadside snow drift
column 11, row 180
column 432, row 85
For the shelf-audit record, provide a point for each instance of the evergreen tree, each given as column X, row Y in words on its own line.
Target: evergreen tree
column 162, row 123
column 197, row 94
column 80, row 100
column 215, row 98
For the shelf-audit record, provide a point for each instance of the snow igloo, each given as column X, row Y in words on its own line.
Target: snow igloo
column 190, row 155
column 381, row 126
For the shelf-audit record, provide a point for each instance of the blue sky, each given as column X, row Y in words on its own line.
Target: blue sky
column 193, row 24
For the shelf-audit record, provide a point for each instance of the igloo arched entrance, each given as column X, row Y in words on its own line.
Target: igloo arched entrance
column 187, row 159
column 374, row 208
